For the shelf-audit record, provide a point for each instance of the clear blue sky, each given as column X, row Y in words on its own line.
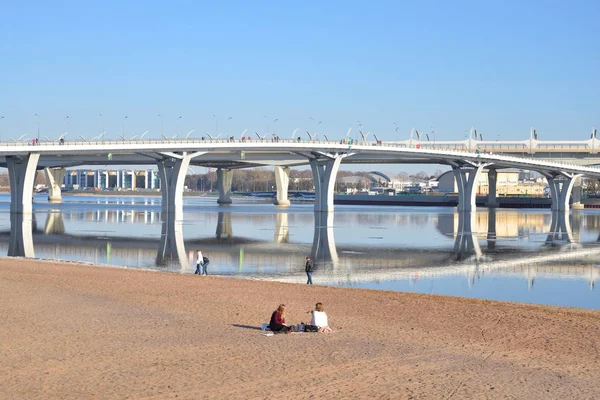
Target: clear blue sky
column 498, row 66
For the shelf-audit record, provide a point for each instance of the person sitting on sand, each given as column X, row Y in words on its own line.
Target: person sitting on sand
column 319, row 319
column 277, row 323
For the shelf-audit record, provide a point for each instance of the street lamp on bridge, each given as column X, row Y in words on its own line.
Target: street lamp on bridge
column 162, row 125
column 37, row 118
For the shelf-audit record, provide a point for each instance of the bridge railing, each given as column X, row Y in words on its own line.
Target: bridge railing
column 457, row 148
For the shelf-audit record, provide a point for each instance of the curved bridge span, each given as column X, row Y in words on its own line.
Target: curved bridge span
column 173, row 158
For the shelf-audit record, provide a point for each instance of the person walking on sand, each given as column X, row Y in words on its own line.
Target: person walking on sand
column 308, row 267
column 199, row 262
column 205, row 262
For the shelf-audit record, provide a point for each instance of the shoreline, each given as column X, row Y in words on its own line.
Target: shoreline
column 77, row 331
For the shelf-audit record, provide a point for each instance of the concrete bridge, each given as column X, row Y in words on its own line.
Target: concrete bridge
column 173, row 157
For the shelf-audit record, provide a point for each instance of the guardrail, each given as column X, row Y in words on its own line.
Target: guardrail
column 460, row 150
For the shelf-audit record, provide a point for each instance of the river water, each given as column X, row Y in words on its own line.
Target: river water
column 530, row 256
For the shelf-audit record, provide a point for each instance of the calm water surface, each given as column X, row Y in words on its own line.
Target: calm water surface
column 531, row 256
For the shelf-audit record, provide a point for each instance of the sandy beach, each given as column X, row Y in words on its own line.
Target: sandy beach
column 76, row 332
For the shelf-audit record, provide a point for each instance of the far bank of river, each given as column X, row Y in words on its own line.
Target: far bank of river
column 376, row 200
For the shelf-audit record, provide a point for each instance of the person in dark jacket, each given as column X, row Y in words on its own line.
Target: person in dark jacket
column 277, row 323
column 308, row 267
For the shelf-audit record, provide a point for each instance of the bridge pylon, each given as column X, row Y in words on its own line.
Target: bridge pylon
column 172, row 171
column 466, row 178
column 324, row 171
column 561, row 185
column 22, row 171
column 54, row 178
column 282, row 181
column 224, row 179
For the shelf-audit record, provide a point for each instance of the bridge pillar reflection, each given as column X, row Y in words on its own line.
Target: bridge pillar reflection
column 172, row 247
column 466, row 242
column 224, row 179
column 491, row 233
column 21, row 235
column 323, row 249
column 282, row 181
column 560, row 228
column 22, row 171
column 324, row 173
column 54, row 179
column 224, row 226
column 55, row 223
column 492, row 199
column 282, row 232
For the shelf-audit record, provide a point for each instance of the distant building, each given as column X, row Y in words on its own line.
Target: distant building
column 123, row 179
column 507, row 183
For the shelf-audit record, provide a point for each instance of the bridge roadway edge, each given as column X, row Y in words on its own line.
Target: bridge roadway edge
column 278, row 153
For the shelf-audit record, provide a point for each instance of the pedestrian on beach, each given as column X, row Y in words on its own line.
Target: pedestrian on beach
column 308, row 267
column 319, row 319
column 277, row 324
column 199, row 262
column 205, row 262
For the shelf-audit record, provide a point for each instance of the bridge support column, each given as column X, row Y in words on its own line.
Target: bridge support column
column 224, row 178
column 492, row 199
column 466, row 179
column 560, row 190
column 282, row 181
column 324, row 173
column 22, row 171
column 54, row 179
column 172, row 171
column 577, row 194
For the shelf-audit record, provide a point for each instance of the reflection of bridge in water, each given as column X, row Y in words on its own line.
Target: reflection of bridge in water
column 283, row 260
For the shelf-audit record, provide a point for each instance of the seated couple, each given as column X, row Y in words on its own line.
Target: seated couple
column 318, row 320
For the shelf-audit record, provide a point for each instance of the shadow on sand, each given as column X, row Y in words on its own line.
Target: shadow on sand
column 256, row 328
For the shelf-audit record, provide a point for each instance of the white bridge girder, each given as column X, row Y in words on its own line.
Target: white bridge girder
column 173, row 158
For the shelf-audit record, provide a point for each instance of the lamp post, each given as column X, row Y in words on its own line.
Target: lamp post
column 124, row 125
column 266, row 122
column 37, row 118
column 101, row 122
column 162, row 125
column 1, row 118
column 227, row 124
column 316, row 126
column 66, row 126
column 177, row 124
column 216, row 124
